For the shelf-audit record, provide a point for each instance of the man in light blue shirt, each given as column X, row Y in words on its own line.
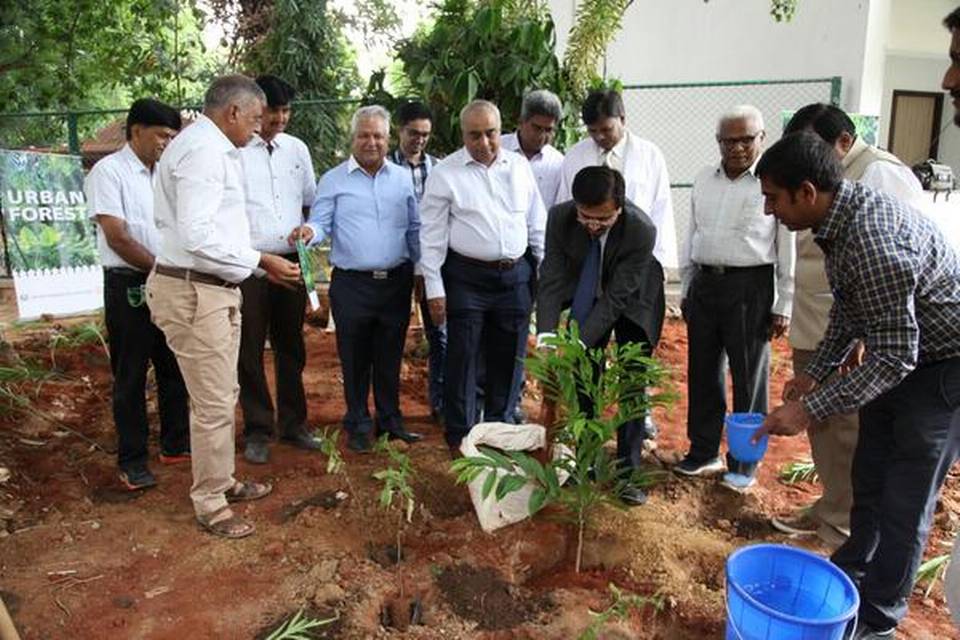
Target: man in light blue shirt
column 366, row 206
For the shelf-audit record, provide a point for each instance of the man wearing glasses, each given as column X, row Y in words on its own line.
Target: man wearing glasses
column 540, row 114
column 599, row 263
column 736, row 266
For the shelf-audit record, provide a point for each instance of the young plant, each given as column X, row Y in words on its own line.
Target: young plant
column 397, row 489
column 596, row 391
column 297, row 626
column 77, row 336
column 802, row 471
column 932, row 571
column 621, row 607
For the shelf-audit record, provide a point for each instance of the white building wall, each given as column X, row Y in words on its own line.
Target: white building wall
column 692, row 41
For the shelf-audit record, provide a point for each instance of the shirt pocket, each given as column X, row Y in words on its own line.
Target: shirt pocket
column 750, row 218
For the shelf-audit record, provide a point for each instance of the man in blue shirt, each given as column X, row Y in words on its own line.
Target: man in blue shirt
column 366, row 206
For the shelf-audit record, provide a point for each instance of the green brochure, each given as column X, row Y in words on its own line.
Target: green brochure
column 306, row 270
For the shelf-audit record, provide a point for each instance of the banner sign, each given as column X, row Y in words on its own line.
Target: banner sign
column 50, row 242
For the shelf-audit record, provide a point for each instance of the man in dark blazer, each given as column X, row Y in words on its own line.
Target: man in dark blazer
column 599, row 263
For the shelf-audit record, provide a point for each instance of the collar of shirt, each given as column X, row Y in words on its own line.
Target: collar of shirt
column 751, row 171
column 397, row 157
column 511, row 142
column 500, row 159
column 833, row 222
column 210, row 129
column 618, row 150
column 134, row 160
column 858, row 147
column 353, row 165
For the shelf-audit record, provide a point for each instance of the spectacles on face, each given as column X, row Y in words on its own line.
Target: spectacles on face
column 597, row 224
column 745, row 141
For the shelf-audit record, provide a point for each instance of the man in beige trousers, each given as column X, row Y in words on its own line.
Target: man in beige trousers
column 834, row 441
column 193, row 290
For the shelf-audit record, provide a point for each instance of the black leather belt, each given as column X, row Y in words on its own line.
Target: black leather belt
column 125, row 271
column 377, row 274
column 719, row 270
column 193, row 276
column 504, row 264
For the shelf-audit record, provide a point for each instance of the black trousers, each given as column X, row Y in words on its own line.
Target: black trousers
column 909, row 438
column 727, row 314
column 631, row 434
column 270, row 309
column 134, row 343
column 372, row 315
column 488, row 315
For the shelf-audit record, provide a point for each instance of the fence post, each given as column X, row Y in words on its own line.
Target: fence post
column 835, row 83
column 73, row 135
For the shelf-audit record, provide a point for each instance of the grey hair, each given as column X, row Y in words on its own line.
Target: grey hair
column 229, row 90
column 366, row 113
column 476, row 105
column 541, row 103
column 742, row 112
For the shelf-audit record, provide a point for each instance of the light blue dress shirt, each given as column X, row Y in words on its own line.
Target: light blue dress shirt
column 372, row 221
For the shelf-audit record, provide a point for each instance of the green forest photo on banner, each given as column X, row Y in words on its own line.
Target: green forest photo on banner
column 44, row 212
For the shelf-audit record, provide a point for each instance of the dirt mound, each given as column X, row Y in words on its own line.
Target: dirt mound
column 483, row 596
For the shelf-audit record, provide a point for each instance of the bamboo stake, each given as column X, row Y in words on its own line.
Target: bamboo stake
column 7, row 630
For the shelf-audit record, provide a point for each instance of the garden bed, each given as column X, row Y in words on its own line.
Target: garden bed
column 81, row 559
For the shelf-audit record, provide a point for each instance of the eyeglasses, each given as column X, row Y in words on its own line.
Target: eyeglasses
column 597, row 223
column 746, row 141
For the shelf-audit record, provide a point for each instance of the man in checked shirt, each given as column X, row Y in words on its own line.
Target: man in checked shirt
column 896, row 287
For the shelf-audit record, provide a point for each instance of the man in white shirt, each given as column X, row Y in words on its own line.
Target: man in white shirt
column 481, row 237
column 640, row 162
column 193, row 293
column 737, row 271
column 540, row 115
column 834, row 441
column 280, row 184
column 119, row 192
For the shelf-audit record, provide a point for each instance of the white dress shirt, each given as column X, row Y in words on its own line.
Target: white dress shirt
column 648, row 184
column 546, row 166
column 121, row 186
column 486, row 213
column 895, row 180
column 278, row 185
column 199, row 205
column 728, row 228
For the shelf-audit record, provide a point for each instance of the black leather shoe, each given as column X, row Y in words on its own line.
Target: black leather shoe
column 256, row 452
column 358, row 442
column 633, row 496
column 302, row 440
column 402, row 434
column 866, row 632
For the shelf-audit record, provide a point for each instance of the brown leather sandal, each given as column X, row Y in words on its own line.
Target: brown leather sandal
column 231, row 527
column 248, row 490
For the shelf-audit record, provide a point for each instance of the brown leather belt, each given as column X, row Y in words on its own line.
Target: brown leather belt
column 503, row 264
column 193, row 276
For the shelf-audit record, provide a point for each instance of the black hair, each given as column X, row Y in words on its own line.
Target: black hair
column 602, row 104
column 279, row 92
column 827, row 121
column 952, row 21
column 414, row 110
column 801, row 157
column 593, row 186
column 152, row 113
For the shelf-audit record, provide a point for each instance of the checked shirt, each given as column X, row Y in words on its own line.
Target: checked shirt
column 896, row 286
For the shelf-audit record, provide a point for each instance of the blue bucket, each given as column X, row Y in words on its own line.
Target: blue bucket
column 776, row 592
column 740, row 428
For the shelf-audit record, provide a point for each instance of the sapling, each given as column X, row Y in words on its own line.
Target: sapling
column 801, row 471
column 396, row 487
column 623, row 604
column 297, row 626
column 932, row 571
column 595, row 392
column 336, row 465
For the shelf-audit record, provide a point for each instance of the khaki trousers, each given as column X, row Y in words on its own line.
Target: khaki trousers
column 201, row 323
column 832, row 444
